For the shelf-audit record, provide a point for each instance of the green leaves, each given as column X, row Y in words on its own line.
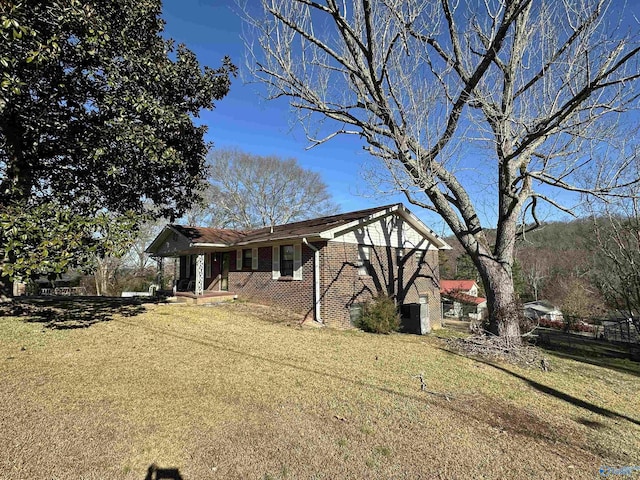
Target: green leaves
column 49, row 238
column 91, row 96
column 96, row 112
column 42, row 240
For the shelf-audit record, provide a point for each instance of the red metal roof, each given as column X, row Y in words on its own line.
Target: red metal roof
column 447, row 286
column 464, row 298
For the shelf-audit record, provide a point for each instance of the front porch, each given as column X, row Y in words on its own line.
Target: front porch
column 202, row 274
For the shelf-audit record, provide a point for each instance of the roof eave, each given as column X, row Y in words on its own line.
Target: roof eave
column 209, row 245
column 414, row 221
column 331, row 232
column 419, row 225
column 312, row 236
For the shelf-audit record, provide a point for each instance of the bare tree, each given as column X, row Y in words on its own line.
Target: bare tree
column 616, row 259
column 521, row 90
column 116, row 236
column 249, row 190
column 136, row 257
column 207, row 210
column 535, row 267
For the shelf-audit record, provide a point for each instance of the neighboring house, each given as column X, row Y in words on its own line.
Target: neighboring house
column 323, row 268
column 541, row 309
column 460, row 299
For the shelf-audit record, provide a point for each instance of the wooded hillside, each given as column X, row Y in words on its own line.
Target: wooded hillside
column 553, row 262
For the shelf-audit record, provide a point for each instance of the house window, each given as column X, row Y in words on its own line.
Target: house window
column 420, row 256
column 286, row 260
column 247, row 259
column 364, row 262
column 400, row 254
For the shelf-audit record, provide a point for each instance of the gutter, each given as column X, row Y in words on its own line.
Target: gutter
column 280, row 239
column 316, row 279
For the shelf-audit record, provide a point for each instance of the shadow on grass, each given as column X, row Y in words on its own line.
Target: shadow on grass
column 605, row 412
column 156, row 473
column 590, row 423
column 593, row 358
column 515, row 420
column 71, row 312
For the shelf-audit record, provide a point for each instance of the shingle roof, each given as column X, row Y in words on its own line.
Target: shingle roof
column 311, row 227
column 209, row 235
column 315, row 228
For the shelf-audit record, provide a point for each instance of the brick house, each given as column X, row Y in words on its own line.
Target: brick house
column 322, row 268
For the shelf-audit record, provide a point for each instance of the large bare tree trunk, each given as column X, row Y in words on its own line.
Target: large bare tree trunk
column 502, row 304
column 440, row 88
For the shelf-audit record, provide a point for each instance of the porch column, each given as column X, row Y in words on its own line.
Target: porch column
column 176, row 273
column 160, row 273
column 199, row 274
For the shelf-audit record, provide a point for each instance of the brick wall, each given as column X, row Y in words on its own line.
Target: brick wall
column 342, row 286
column 258, row 286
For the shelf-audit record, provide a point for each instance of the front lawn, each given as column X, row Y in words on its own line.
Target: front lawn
column 218, row 392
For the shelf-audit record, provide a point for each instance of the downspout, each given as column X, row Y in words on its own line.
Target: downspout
column 316, row 279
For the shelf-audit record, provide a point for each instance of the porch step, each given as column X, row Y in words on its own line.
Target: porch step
column 206, row 298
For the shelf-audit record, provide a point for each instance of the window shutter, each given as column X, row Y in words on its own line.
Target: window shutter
column 239, row 259
column 297, row 261
column 188, row 270
column 254, row 259
column 275, row 263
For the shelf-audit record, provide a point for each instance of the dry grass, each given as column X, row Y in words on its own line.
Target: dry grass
column 219, row 393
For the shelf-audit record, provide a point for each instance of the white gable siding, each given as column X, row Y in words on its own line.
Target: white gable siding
column 391, row 230
column 173, row 242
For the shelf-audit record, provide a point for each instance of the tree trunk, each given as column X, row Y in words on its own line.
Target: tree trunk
column 101, row 276
column 504, row 310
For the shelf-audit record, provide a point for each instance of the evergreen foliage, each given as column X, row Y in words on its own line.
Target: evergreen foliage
column 96, row 114
column 380, row 315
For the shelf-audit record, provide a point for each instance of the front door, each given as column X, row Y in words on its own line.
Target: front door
column 224, row 274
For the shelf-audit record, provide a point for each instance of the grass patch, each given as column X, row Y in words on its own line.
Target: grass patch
column 217, row 392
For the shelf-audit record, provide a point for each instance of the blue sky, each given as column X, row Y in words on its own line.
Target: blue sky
column 243, row 119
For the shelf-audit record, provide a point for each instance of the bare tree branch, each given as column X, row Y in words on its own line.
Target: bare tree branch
column 531, row 103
